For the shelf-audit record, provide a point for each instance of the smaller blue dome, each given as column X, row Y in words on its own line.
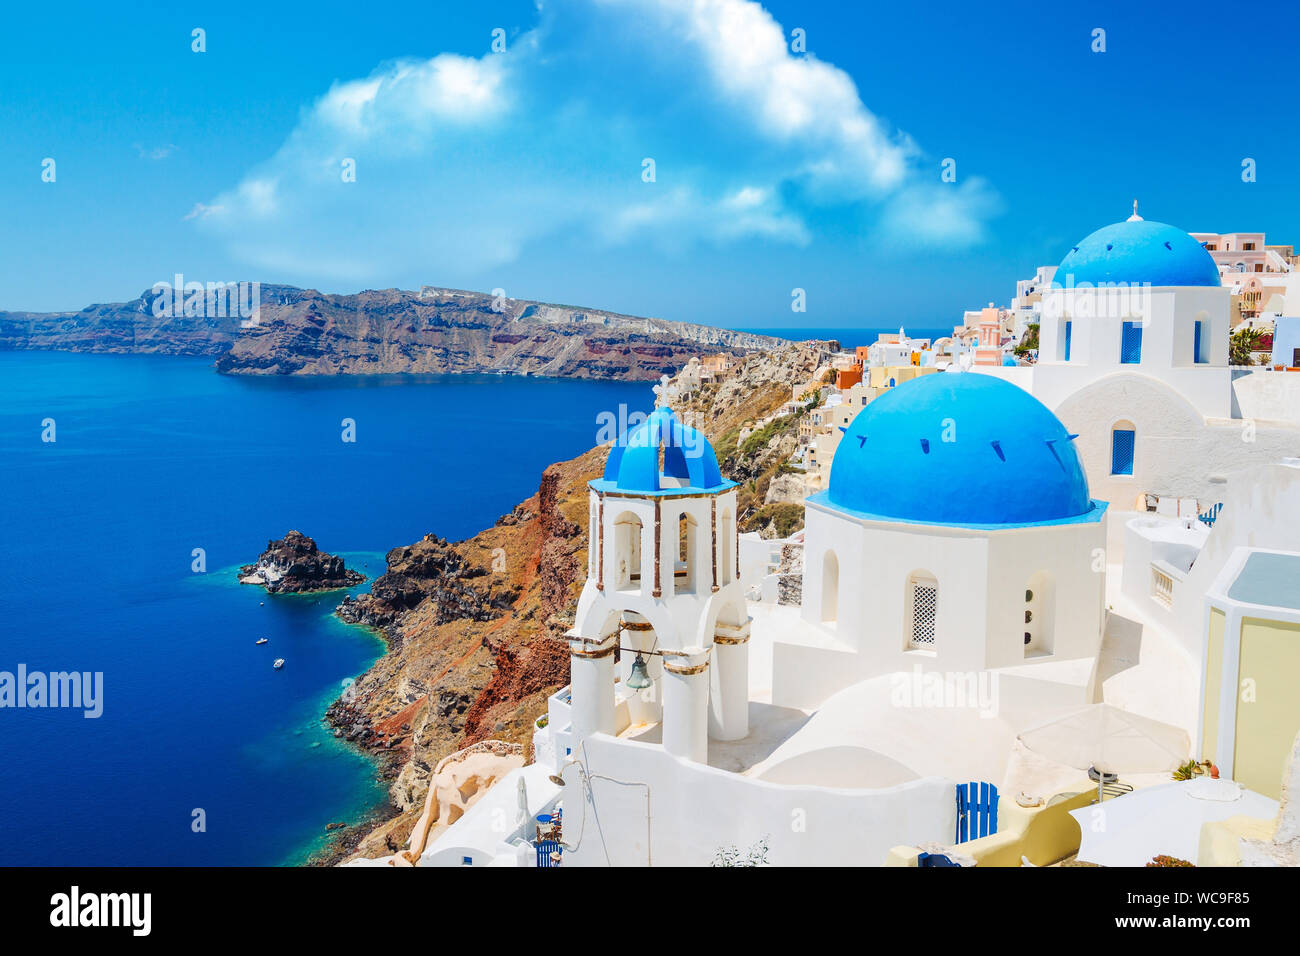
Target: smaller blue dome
column 959, row 448
column 689, row 464
column 1137, row 252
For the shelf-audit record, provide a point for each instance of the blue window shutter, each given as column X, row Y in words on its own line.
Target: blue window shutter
column 1069, row 327
column 1196, row 344
column 1130, row 349
column 1122, row 441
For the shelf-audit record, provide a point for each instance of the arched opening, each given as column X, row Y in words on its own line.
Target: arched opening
column 1064, row 337
column 1040, row 614
column 726, row 548
column 684, row 567
column 921, row 615
column 627, row 552
column 830, row 587
column 593, row 541
column 1123, row 448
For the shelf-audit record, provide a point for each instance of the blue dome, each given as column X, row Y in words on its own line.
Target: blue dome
column 688, row 461
column 1007, row 460
column 1137, row 252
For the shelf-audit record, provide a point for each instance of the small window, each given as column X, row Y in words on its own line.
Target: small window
column 1122, row 441
column 1248, row 247
column 466, row 861
column 1069, row 328
column 924, row 596
column 1130, row 349
column 1198, row 344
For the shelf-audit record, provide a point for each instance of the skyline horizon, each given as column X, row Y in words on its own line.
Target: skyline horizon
column 818, row 160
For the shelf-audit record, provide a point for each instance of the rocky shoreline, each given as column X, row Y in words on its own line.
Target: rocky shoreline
column 294, row 565
column 475, row 628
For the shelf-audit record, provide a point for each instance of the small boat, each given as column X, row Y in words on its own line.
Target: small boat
column 260, row 640
column 279, row 662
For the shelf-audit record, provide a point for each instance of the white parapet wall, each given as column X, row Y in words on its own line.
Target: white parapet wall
column 1268, row 396
column 655, row 809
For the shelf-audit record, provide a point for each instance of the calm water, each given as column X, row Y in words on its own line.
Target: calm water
column 155, row 457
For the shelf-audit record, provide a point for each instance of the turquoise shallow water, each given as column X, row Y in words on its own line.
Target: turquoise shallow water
column 155, row 457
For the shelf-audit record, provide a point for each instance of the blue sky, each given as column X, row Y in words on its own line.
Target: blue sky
column 523, row 170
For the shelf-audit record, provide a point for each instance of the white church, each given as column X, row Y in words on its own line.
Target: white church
column 1133, row 356
column 996, row 548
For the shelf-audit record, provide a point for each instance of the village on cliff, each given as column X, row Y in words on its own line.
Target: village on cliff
column 1043, row 608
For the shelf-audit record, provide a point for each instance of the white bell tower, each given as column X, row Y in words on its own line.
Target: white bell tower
column 662, row 629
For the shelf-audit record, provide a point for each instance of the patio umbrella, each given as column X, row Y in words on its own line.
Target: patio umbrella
column 522, row 816
column 1109, row 740
column 1164, row 820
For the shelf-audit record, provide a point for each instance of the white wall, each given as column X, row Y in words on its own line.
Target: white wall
column 982, row 577
column 1266, row 395
column 1261, row 509
column 1168, row 316
column 1178, row 453
column 695, row 809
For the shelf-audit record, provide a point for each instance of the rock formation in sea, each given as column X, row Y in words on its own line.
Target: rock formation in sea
column 294, row 564
column 475, row 627
column 435, row 330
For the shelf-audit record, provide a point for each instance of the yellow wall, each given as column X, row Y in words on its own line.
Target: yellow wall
column 1268, row 723
column 1213, row 684
column 1043, row 835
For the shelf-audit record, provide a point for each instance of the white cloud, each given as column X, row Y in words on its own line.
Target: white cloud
column 463, row 164
column 155, row 152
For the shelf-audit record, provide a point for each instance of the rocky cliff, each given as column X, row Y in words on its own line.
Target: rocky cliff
column 474, row 628
column 306, row 332
column 294, row 564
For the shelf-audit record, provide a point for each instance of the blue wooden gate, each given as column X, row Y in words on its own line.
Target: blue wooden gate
column 977, row 810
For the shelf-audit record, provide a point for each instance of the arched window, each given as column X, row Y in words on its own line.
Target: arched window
column 726, row 548
column 830, row 587
column 684, row 568
column 922, row 611
column 1123, row 448
column 627, row 552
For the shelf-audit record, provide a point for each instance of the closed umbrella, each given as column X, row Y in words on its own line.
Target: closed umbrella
column 1110, row 741
column 522, row 816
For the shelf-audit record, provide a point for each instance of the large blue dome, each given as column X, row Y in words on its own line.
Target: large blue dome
column 688, row 463
column 1137, row 252
column 959, row 448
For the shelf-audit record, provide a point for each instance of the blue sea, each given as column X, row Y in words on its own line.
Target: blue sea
column 204, row 754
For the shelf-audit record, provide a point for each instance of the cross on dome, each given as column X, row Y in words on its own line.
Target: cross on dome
column 1135, row 217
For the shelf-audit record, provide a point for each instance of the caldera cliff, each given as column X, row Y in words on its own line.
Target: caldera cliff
column 474, row 628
